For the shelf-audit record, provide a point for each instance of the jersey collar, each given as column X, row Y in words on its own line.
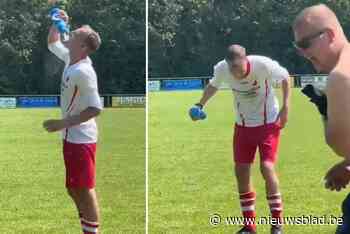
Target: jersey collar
column 84, row 60
column 248, row 68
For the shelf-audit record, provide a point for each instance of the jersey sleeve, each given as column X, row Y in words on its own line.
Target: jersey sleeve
column 58, row 49
column 87, row 86
column 218, row 77
column 276, row 72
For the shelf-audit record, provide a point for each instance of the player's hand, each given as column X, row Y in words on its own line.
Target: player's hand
column 57, row 13
column 338, row 177
column 317, row 97
column 196, row 112
column 53, row 125
column 282, row 117
column 64, row 16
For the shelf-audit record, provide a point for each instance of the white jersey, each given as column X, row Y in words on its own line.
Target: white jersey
column 78, row 92
column 254, row 98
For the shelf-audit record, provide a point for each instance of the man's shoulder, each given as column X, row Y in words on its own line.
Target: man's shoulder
column 341, row 72
column 342, row 68
column 338, row 80
column 259, row 58
column 221, row 65
column 339, row 75
column 259, row 63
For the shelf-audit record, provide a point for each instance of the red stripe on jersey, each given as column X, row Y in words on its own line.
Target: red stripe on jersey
column 65, row 137
column 243, row 121
column 70, row 105
column 73, row 97
column 265, row 101
column 248, row 69
column 240, row 114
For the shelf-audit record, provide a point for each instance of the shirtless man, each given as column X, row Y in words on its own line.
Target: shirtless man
column 319, row 37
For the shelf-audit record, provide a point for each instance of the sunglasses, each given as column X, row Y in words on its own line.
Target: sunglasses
column 307, row 41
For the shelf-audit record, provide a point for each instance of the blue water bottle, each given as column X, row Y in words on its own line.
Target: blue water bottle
column 60, row 24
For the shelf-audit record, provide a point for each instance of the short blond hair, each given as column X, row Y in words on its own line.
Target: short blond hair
column 91, row 39
column 235, row 51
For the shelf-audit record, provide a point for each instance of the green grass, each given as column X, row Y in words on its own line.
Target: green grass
column 191, row 175
column 33, row 196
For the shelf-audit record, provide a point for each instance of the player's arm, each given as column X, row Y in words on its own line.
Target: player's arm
column 337, row 126
column 54, row 35
column 54, row 40
column 53, row 125
column 285, row 92
column 337, row 129
column 85, row 115
column 208, row 92
column 196, row 112
column 281, row 75
column 89, row 97
column 283, row 114
column 214, row 84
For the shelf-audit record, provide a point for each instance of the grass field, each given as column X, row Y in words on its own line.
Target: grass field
column 191, row 174
column 33, row 196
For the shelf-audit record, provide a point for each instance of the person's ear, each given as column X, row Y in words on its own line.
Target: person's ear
column 330, row 34
column 84, row 47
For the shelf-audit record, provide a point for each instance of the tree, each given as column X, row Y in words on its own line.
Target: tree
column 27, row 67
column 188, row 37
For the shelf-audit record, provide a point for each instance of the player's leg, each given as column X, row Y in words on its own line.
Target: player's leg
column 247, row 196
column 87, row 199
column 345, row 226
column 242, row 172
column 244, row 149
column 70, row 164
column 268, row 148
column 268, row 172
column 274, row 198
column 72, row 193
column 80, row 183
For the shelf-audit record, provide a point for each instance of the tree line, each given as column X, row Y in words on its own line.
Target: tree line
column 187, row 37
column 27, row 67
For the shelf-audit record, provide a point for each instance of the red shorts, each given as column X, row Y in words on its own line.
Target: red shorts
column 79, row 160
column 247, row 139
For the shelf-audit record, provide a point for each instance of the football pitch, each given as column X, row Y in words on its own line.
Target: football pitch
column 191, row 176
column 33, row 196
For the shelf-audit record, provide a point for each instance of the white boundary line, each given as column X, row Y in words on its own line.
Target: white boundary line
column 146, row 137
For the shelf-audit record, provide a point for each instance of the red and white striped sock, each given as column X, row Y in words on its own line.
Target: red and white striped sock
column 88, row 226
column 247, row 201
column 275, row 204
